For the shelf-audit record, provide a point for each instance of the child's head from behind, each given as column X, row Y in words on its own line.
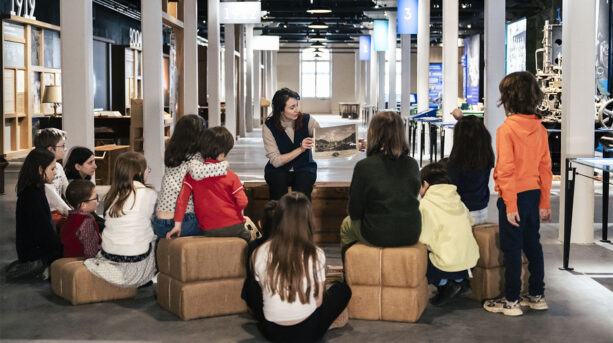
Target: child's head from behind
column 81, row 195
column 520, row 93
column 129, row 167
column 81, row 163
column 216, row 143
column 386, row 135
column 472, row 145
column 51, row 139
column 433, row 174
column 267, row 221
column 292, row 249
column 184, row 140
column 37, row 170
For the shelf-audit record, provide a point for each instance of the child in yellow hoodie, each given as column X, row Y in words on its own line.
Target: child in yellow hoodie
column 446, row 229
column 523, row 181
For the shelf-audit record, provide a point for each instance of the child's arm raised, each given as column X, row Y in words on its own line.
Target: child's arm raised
column 199, row 170
column 182, row 200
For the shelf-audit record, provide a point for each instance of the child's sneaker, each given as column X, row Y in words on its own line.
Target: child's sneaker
column 502, row 305
column 536, row 302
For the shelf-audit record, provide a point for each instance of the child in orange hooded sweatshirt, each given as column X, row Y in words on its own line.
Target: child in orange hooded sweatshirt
column 523, row 181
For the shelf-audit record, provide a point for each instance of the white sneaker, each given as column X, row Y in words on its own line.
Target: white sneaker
column 536, row 302
column 502, row 305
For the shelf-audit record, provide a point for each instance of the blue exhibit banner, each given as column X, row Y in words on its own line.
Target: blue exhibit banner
column 435, row 84
column 472, row 45
column 380, row 35
column 364, row 48
column 407, row 16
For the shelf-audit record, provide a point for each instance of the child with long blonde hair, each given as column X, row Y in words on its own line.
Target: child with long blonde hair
column 291, row 271
column 127, row 255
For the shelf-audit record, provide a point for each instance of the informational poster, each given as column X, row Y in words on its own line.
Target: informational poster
column 472, row 45
column 602, row 44
column 364, row 48
column 335, row 141
column 435, row 84
column 516, row 46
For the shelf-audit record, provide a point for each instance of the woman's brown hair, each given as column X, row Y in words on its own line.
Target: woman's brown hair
column 292, row 251
column 279, row 100
column 520, row 94
column 129, row 167
column 386, row 135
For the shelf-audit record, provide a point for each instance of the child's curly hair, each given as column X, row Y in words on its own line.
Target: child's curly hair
column 520, row 94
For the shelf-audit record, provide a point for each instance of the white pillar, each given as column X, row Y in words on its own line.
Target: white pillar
column 190, row 56
column 249, row 77
column 275, row 87
column 265, row 74
column 271, row 75
column 578, row 111
column 230, row 86
column 77, row 72
column 405, row 91
column 153, row 96
column 373, row 80
column 257, row 86
column 391, row 57
column 494, row 57
column 212, row 63
column 381, row 80
column 241, row 83
column 423, row 54
column 450, row 59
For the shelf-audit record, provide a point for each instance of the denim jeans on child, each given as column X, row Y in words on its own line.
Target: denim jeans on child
column 526, row 237
column 435, row 275
column 189, row 226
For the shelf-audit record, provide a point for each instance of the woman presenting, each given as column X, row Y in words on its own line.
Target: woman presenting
column 288, row 141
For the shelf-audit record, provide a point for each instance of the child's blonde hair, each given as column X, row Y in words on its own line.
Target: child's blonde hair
column 129, row 167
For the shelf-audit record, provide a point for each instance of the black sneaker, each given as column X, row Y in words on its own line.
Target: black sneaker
column 18, row 270
column 464, row 286
column 445, row 293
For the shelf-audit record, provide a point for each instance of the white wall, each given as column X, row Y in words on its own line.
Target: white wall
column 344, row 88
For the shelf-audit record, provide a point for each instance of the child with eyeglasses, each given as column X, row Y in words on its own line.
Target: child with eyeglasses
column 80, row 234
column 54, row 140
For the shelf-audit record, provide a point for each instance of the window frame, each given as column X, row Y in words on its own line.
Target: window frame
column 316, row 61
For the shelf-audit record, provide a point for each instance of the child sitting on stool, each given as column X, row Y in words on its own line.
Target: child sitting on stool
column 446, row 230
column 80, row 234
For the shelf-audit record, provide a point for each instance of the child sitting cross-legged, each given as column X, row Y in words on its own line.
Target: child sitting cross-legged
column 446, row 230
column 218, row 201
column 80, row 234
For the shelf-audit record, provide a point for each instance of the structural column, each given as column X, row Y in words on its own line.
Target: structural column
column 450, row 58
column 77, row 72
column 391, row 56
column 423, row 54
column 249, row 77
column 405, row 92
column 275, row 87
column 153, row 96
column 578, row 112
column 241, row 84
column 494, row 57
column 257, row 86
column 374, row 81
column 381, row 80
column 190, row 56
column 212, row 64
column 230, row 86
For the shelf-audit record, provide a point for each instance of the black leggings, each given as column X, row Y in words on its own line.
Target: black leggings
column 279, row 180
column 311, row 329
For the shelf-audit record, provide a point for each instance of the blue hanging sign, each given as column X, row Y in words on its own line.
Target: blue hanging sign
column 407, row 16
column 380, row 35
column 364, row 48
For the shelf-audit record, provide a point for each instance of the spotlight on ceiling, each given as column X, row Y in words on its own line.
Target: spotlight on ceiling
column 317, row 55
column 318, row 25
column 318, row 45
column 318, row 38
column 319, row 10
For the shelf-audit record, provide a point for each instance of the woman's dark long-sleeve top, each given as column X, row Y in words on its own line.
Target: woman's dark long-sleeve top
column 383, row 195
column 35, row 231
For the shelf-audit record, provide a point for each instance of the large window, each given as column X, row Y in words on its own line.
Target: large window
column 315, row 70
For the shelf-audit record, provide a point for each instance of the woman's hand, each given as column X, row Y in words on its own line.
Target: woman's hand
column 175, row 230
column 307, row 143
column 457, row 113
column 545, row 214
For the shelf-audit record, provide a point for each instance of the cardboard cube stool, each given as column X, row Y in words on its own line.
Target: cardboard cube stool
column 201, row 276
column 488, row 276
column 71, row 280
column 387, row 283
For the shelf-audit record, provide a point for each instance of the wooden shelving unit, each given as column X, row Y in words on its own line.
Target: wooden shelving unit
column 30, row 61
column 131, row 74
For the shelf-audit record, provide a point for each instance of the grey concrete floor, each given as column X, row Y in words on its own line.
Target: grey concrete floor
column 581, row 302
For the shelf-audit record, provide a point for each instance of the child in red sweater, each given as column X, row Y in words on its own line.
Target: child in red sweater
column 218, row 201
column 80, row 234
